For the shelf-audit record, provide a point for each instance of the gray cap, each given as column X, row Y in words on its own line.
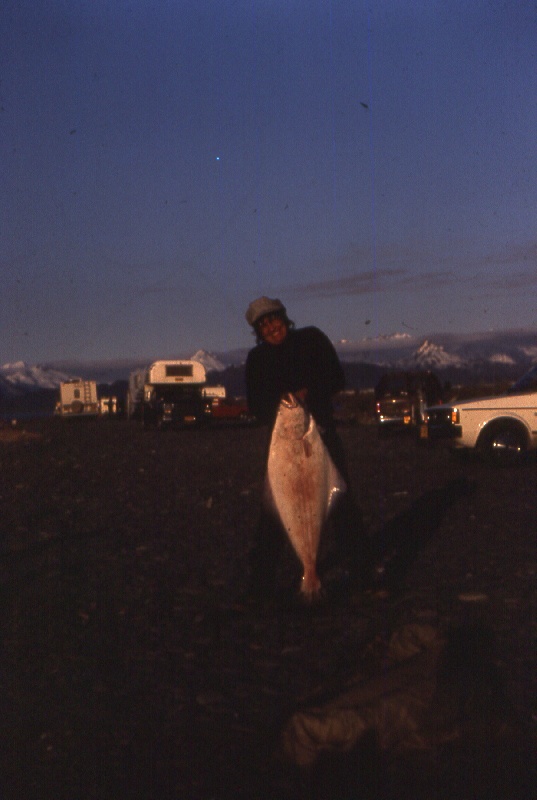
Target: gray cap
column 263, row 305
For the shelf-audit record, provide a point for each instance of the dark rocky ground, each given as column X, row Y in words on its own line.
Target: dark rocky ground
column 132, row 669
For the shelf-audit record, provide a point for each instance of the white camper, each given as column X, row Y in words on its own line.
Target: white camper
column 78, row 398
column 168, row 392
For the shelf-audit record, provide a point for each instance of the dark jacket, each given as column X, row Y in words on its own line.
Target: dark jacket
column 305, row 359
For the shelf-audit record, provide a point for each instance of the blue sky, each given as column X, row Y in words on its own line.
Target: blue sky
column 374, row 165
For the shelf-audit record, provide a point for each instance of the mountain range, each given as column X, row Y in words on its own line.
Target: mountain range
column 481, row 357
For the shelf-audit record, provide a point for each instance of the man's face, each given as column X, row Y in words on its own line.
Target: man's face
column 272, row 328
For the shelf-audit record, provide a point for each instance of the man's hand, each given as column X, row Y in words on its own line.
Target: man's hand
column 301, row 395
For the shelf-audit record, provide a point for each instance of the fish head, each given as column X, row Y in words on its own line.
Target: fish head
column 290, row 400
column 292, row 420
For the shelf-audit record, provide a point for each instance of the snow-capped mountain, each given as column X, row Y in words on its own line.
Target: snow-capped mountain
column 463, row 358
column 383, row 340
column 209, row 361
column 384, row 349
column 431, row 356
column 439, row 351
column 530, row 351
column 502, row 358
column 20, row 376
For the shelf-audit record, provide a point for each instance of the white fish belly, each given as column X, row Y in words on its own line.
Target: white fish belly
column 301, row 483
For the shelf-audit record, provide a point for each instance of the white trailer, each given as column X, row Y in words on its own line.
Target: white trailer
column 78, row 398
column 168, row 392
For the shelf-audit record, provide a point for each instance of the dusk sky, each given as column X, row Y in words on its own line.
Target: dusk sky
column 163, row 162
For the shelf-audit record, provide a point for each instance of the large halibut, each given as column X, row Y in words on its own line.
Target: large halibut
column 301, row 484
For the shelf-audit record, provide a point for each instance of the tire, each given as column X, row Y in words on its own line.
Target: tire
column 503, row 443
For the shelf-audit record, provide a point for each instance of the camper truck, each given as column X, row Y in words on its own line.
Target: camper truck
column 78, row 398
column 168, row 392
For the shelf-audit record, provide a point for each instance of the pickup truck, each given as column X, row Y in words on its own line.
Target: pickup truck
column 503, row 426
column 401, row 398
column 168, row 393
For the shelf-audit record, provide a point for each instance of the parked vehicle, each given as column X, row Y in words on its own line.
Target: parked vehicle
column 226, row 408
column 402, row 397
column 231, row 408
column 168, row 392
column 502, row 426
column 78, row 398
column 214, row 393
column 108, row 406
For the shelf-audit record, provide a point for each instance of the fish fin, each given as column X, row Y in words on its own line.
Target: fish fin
column 268, row 497
column 270, row 504
column 311, row 585
column 336, row 485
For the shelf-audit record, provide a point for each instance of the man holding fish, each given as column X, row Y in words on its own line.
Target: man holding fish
column 291, row 377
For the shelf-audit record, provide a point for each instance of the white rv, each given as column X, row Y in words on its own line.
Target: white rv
column 168, row 392
column 78, row 398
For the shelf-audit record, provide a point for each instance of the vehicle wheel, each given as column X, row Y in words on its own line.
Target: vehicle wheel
column 503, row 443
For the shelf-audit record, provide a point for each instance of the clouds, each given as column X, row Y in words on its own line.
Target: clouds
column 116, row 210
column 484, row 273
column 361, row 283
column 374, row 281
column 516, row 253
column 523, row 281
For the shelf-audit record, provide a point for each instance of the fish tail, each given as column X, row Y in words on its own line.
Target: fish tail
column 311, row 585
